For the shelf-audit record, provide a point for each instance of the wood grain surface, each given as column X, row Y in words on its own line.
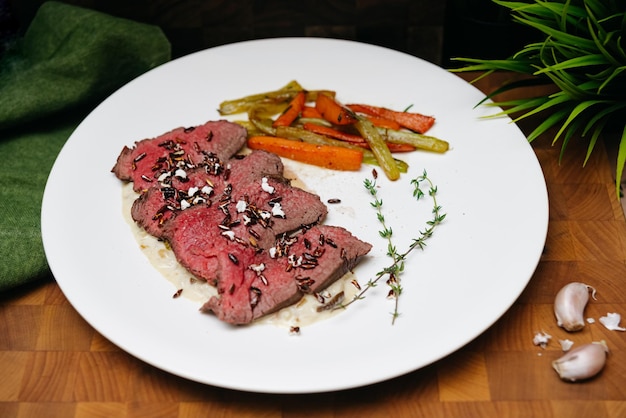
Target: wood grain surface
column 55, row 365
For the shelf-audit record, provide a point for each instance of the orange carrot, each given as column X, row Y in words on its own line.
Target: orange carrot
column 311, row 112
column 293, row 110
column 384, row 122
column 327, row 156
column 413, row 121
column 400, row 147
column 334, row 133
column 333, row 111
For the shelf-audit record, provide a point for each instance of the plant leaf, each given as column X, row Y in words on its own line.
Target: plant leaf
column 584, row 61
column 558, row 34
column 580, row 107
column 594, row 138
column 621, row 160
column 549, row 122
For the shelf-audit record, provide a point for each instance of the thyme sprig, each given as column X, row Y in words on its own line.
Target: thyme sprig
column 393, row 271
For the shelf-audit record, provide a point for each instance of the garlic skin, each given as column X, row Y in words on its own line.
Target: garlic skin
column 566, row 345
column 542, row 339
column 569, row 305
column 611, row 321
column 582, row 362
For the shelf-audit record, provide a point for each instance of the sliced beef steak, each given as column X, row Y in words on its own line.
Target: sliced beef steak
column 250, row 224
column 201, row 245
column 254, row 166
column 269, row 207
column 158, row 204
column 304, row 263
column 149, row 159
column 323, row 254
column 253, row 282
column 237, row 223
column 200, row 185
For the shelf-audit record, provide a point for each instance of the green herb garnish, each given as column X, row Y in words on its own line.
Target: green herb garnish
column 395, row 269
column 582, row 53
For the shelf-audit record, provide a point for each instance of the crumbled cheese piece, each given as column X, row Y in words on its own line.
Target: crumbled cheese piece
column 272, row 252
column 566, row 344
column 541, row 339
column 180, row 173
column 164, row 177
column 184, row 204
column 229, row 234
column 611, row 321
column 246, row 220
column 591, row 320
column 277, row 211
column 192, row 191
column 265, row 215
column 295, row 262
column 257, row 268
column 266, row 186
column 241, row 206
column 207, row 190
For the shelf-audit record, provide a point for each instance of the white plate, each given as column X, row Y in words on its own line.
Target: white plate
column 476, row 265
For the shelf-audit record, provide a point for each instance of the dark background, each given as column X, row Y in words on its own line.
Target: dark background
column 434, row 30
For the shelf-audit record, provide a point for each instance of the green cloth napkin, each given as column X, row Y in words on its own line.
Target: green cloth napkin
column 69, row 60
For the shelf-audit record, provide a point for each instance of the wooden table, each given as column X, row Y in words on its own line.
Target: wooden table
column 54, row 364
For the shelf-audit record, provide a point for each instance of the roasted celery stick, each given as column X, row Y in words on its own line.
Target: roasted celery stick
column 260, row 115
column 241, row 105
column 284, row 94
column 378, row 147
column 420, row 141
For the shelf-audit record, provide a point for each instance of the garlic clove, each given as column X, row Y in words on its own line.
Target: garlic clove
column 570, row 303
column 582, row 362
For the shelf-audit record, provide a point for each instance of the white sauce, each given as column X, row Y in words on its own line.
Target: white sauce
column 162, row 258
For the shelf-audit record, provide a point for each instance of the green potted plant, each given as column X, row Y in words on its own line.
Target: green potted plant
column 582, row 52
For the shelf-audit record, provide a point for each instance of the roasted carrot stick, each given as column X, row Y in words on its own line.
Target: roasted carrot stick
column 311, row 112
column 400, row 147
column 414, row 121
column 333, row 111
column 327, row 156
column 301, row 134
column 334, row 133
column 384, row 122
column 353, row 139
column 293, row 110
